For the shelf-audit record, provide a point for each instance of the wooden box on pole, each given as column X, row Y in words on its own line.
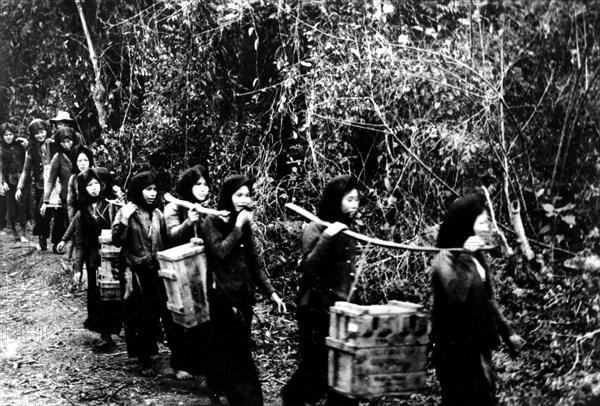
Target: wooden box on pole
column 183, row 269
column 106, row 279
column 378, row 350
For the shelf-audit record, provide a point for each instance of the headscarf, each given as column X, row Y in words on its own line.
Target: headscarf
column 81, row 182
column 230, row 186
column 188, row 179
column 62, row 134
column 80, row 149
column 330, row 208
column 92, row 226
column 458, row 222
column 137, row 184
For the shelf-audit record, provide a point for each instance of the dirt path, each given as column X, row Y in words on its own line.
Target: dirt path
column 46, row 356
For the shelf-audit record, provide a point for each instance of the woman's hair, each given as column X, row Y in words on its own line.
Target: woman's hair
column 137, row 184
column 458, row 222
column 330, row 208
column 188, row 179
column 80, row 149
column 33, row 148
column 81, row 182
column 36, row 126
column 4, row 127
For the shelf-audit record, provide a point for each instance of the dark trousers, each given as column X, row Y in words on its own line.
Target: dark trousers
column 232, row 368
column 466, row 376
column 142, row 313
column 17, row 210
column 189, row 346
column 41, row 224
column 2, row 211
column 309, row 382
column 60, row 222
column 104, row 317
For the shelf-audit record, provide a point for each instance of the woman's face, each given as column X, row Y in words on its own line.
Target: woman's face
column 350, row 203
column 83, row 163
column 481, row 227
column 40, row 136
column 241, row 198
column 67, row 144
column 93, row 187
column 8, row 136
column 149, row 194
column 200, row 189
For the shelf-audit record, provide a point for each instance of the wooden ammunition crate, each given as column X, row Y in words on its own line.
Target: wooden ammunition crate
column 183, row 270
column 108, row 284
column 369, row 373
column 107, row 250
column 393, row 324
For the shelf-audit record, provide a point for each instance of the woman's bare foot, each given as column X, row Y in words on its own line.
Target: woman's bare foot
column 105, row 344
column 147, row 369
column 182, row 375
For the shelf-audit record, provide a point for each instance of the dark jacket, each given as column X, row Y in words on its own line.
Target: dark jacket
column 38, row 156
column 144, row 235
column 233, row 262
column 12, row 159
column 465, row 315
column 181, row 229
column 86, row 226
column 327, row 267
column 60, row 168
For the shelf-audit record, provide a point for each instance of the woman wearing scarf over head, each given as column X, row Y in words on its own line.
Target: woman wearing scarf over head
column 466, row 320
column 139, row 228
column 95, row 214
column 38, row 155
column 188, row 345
column 13, row 159
column 328, row 261
column 82, row 158
column 235, row 269
column 60, row 169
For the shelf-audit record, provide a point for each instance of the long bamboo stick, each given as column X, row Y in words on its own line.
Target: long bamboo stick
column 189, row 205
column 376, row 241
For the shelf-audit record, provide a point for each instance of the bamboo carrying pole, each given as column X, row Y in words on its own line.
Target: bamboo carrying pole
column 377, row 241
column 195, row 206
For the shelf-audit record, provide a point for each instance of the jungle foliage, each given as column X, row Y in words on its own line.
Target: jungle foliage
column 423, row 101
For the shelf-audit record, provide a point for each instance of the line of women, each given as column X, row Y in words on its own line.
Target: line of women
column 467, row 322
column 221, row 349
column 34, row 173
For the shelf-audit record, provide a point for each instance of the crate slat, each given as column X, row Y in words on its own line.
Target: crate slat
column 398, row 323
column 378, row 350
column 183, row 270
column 107, row 282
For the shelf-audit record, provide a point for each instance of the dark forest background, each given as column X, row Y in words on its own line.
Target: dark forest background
column 422, row 100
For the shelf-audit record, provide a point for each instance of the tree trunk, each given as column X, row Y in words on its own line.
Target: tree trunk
column 98, row 90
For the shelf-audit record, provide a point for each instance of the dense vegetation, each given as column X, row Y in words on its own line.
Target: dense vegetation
column 423, row 101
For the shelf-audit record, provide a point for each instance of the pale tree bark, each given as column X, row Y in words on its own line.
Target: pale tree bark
column 97, row 88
